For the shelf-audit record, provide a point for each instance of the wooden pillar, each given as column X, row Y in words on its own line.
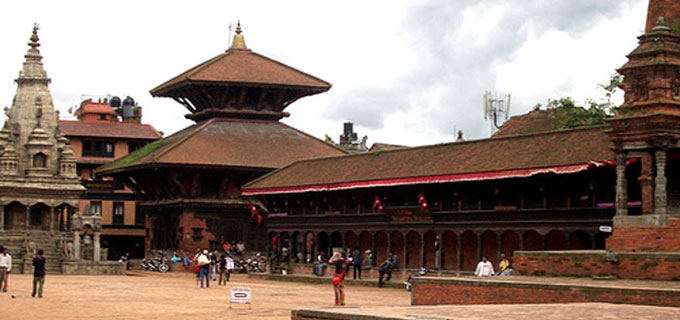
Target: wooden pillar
column 646, row 185
column 422, row 250
column 500, row 245
column 439, row 248
column 2, row 218
column 660, row 193
column 374, row 251
column 521, row 241
column 621, row 185
column 459, row 252
column 479, row 246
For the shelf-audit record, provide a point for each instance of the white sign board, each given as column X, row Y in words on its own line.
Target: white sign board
column 239, row 295
column 605, row 229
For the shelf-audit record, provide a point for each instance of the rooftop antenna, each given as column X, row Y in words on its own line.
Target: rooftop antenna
column 496, row 106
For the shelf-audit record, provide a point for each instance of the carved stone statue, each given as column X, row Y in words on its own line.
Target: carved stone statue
column 68, row 249
column 30, row 248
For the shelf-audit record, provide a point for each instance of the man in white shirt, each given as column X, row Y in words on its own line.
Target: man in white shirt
column 5, row 268
column 484, row 268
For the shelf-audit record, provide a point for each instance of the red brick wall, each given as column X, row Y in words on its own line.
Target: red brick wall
column 643, row 266
column 662, row 238
column 187, row 223
column 436, row 291
column 669, row 9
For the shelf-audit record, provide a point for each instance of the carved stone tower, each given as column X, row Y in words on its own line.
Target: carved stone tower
column 39, row 188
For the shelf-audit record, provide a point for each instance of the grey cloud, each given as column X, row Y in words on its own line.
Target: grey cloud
column 463, row 64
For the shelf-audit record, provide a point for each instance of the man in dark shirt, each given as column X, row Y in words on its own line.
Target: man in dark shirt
column 357, row 261
column 38, row 273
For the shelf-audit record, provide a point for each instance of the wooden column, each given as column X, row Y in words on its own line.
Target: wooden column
column 500, row 245
column 660, row 193
column 621, row 185
column 459, row 251
column 438, row 251
column 422, row 250
column 521, row 240
column 374, row 251
column 2, row 218
column 479, row 246
column 646, row 185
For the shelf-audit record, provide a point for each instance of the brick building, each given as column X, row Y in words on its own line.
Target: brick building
column 98, row 136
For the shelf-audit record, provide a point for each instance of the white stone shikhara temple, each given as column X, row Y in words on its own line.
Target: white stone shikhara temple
column 39, row 187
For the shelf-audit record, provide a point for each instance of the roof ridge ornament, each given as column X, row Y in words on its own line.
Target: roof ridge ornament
column 239, row 41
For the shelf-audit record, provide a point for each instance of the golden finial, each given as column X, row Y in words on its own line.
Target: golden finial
column 239, row 41
column 34, row 37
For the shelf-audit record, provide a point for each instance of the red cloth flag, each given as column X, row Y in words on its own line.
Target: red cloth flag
column 259, row 219
column 377, row 204
column 422, row 201
column 253, row 211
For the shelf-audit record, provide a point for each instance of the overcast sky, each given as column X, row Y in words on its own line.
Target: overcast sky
column 405, row 72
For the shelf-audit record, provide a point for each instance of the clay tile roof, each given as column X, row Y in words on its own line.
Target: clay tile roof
column 533, row 122
column 557, row 151
column 230, row 142
column 104, row 129
column 243, row 66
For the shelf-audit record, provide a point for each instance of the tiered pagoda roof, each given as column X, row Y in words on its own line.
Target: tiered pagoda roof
column 240, row 83
column 236, row 98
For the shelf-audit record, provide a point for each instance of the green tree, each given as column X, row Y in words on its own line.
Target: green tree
column 567, row 114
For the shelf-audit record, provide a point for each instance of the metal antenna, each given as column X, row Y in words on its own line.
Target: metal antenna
column 229, row 40
column 496, row 105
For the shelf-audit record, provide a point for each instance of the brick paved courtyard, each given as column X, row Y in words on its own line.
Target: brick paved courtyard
column 156, row 296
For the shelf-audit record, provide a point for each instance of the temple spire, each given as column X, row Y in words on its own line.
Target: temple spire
column 239, row 42
column 668, row 9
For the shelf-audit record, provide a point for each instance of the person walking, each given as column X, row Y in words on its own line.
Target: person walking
column 338, row 278
column 204, row 268
column 357, row 262
column 230, row 267
column 222, row 266
column 213, row 265
column 5, row 268
column 38, row 274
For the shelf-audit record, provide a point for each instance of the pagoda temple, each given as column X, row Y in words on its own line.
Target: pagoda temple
column 190, row 182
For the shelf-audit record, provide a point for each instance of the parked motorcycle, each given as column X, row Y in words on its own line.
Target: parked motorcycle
column 159, row 263
column 126, row 258
column 412, row 275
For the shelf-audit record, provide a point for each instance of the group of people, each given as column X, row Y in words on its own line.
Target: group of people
column 485, row 268
column 38, row 271
column 209, row 266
